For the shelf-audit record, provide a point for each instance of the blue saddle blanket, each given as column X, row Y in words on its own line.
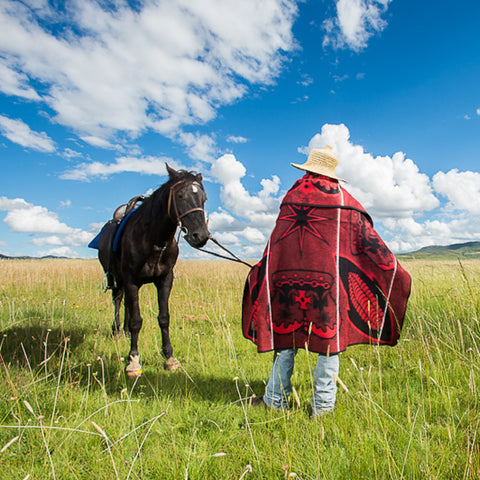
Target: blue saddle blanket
column 118, row 234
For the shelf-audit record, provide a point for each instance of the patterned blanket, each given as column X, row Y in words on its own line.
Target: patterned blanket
column 326, row 279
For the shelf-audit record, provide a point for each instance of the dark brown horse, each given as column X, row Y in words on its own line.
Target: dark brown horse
column 147, row 253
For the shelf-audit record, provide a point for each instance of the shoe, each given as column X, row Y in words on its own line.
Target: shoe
column 257, row 402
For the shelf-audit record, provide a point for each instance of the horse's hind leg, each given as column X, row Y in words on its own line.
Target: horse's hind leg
column 132, row 313
column 117, row 296
column 164, row 285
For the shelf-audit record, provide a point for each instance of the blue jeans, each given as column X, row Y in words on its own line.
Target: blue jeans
column 279, row 385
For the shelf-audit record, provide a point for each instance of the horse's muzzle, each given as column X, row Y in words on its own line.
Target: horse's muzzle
column 197, row 239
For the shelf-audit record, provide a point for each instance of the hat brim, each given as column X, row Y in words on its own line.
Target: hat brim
column 308, row 168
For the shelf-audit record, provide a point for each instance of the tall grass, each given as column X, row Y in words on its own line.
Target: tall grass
column 67, row 409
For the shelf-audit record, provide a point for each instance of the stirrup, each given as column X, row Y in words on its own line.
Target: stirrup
column 105, row 284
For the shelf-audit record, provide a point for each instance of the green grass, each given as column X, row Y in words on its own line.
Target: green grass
column 67, row 410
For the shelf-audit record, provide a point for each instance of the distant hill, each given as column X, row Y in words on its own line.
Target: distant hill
column 6, row 257
column 469, row 250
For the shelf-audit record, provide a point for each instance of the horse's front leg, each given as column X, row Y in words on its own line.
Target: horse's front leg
column 164, row 286
column 132, row 313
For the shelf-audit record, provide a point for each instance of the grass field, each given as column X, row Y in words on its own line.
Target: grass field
column 67, row 411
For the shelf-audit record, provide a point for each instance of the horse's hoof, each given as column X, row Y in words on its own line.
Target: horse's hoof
column 134, row 369
column 171, row 364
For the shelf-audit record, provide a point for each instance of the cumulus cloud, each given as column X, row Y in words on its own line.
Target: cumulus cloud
column 408, row 234
column 387, row 186
column 24, row 217
column 404, row 202
column 199, row 147
column 19, row 132
column 227, row 238
column 76, row 238
column 462, row 189
column 28, row 218
column 253, row 235
column 356, row 21
column 145, row 166
column 221, row 220
column 244, row 216
column 161, row 66
column 229, row 172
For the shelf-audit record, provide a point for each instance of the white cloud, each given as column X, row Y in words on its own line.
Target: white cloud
column 461, row 188
column 16, row 84
column 76, row 238
column 478, row 111
column 305, row 81
column 28, row 218
column 227, row 238
column 235, row 197
column 19, row 132
column 386, row 186
column 406, row 234
column 145, row 166
column 403, row 201
column 244, row 216
column 165, row 65
column 24, row 217
column 253, row 235
column 98, row 142
column 252, row 252
column 355, row 23
column 222, row 220
column 69, row 153
column 234, row 139
column 199, row 147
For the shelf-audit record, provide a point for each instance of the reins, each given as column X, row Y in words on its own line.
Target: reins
column 232, row 258
column 178, row 218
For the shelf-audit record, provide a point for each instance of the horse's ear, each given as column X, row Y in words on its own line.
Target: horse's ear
column 199, row 177
column 171, row 171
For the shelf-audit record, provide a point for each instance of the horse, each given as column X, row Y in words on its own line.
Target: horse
column 147, row 252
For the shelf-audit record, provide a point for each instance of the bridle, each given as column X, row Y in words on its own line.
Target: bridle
column 177, row 217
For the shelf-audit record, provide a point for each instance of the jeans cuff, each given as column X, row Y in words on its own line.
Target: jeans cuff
column 275, row 403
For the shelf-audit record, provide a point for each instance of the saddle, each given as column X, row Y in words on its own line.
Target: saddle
column 123, row 210
column 108, row 238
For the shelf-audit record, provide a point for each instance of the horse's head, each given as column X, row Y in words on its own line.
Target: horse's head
column 186, row 206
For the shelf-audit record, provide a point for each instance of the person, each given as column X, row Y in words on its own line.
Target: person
column 326, row 281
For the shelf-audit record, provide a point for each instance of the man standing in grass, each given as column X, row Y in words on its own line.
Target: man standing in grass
column 326, row 281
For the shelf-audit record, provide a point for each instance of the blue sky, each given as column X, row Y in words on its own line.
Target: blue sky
column 95, row 97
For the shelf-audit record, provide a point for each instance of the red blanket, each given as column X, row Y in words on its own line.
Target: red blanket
column 326, row 279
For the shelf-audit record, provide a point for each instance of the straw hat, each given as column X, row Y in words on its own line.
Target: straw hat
column 321, row 161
